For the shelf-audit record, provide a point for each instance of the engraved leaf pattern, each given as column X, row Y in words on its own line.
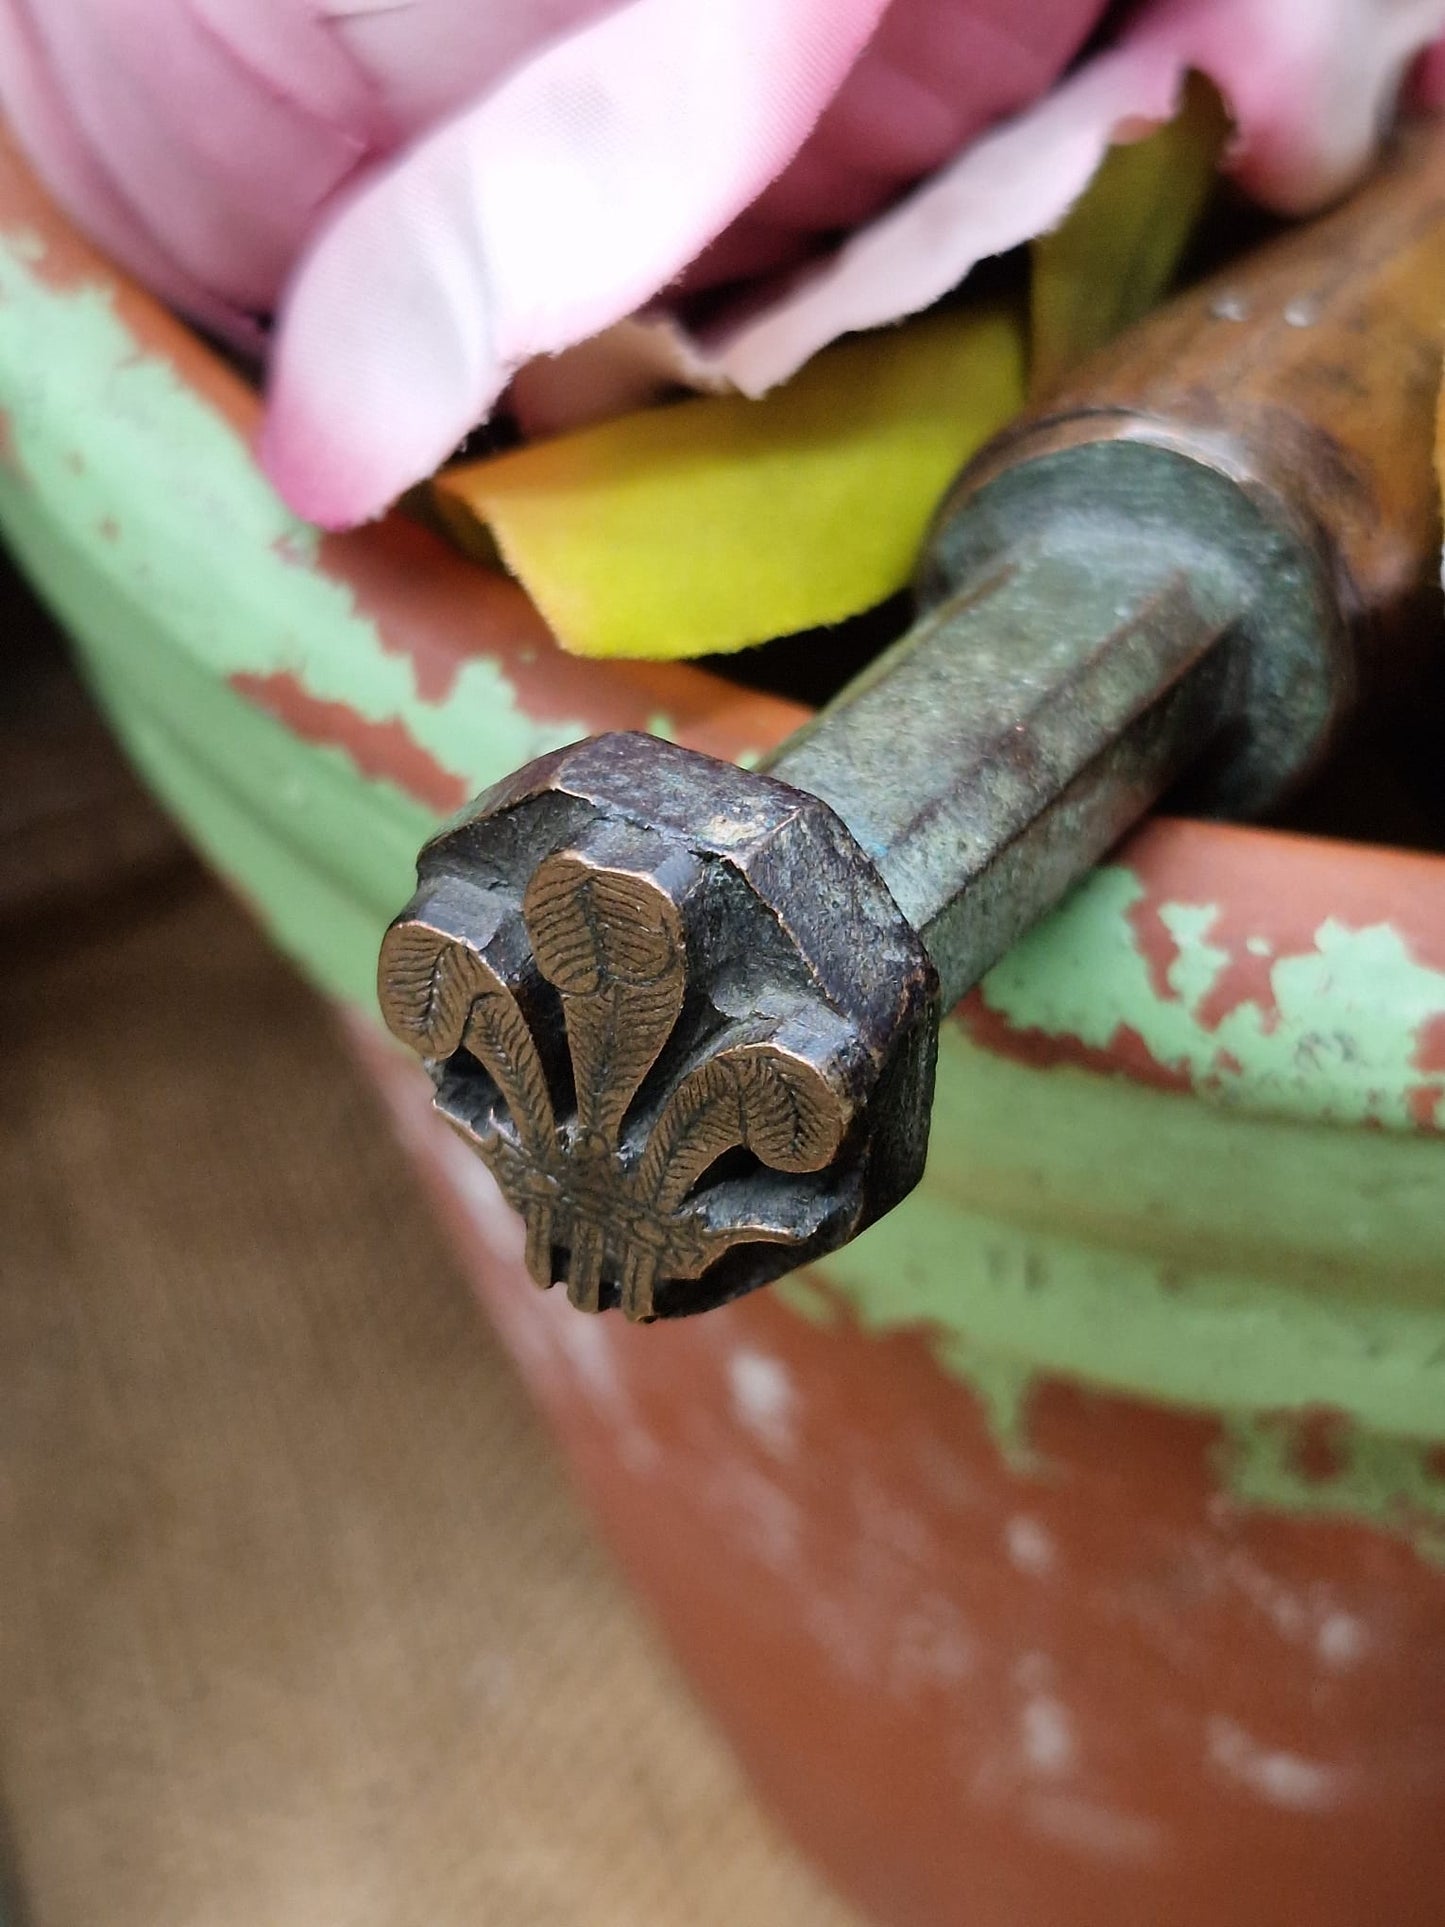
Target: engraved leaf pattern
column 611, row 942
column 427, row 982
column 438, row 994
column 584, row 1267
column 638, row 1283
column 498, row 1036
column 755, row 1096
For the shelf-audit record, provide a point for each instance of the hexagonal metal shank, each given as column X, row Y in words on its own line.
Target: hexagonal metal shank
column 634, row 973
column 688, row 1013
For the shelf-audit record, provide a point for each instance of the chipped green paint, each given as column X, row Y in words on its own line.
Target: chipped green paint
column 1394, row 1480
column 162, row 507
column 1339, row 1044
column 1244, row 1258
column 1196, row 969
column 1150, row 1244
column 1001, row 1383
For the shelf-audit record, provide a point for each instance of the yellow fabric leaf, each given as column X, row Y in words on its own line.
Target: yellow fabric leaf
column 1116, row 251
column 721, row 522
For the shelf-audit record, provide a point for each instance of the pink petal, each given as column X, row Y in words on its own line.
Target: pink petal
column 628, row 366
column 293, row 47
column 1309, row 83
column 936, row 74
column 223, row 157
column 558, row 205
column 1427, row 82
column 431, row 58
column 1016, row 182
column 45, row 126
column 1312, row 83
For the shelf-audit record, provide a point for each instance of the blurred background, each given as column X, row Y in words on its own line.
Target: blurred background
column 299, row 1621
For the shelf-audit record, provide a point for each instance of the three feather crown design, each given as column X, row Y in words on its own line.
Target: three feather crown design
column 648, row 1054
column 610, row 943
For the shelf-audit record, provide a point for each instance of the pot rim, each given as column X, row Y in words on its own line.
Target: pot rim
column 1190, row 899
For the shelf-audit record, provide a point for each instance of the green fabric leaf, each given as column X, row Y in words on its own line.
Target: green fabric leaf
column 1116, row 251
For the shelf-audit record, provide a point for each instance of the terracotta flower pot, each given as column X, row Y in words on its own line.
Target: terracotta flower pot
column 1071, row 1549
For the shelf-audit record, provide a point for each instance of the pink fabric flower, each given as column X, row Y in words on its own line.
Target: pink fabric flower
column 437, row 191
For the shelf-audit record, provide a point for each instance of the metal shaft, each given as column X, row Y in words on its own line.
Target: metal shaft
column 688, row 1014
column 1100, row 621
column 1011, row 737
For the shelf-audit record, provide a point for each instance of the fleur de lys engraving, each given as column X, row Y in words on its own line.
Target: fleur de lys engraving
column 674, row 1007
column 621, row 1169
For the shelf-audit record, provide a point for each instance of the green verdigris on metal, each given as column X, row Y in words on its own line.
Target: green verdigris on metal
column 1246, row 1257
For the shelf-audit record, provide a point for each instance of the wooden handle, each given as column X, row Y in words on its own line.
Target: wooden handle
column 1309, row 372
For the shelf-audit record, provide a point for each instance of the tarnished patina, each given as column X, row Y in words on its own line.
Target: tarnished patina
column 1182, row 573
column 663, row 1048
column 687, row 1013
column 1186, row 1137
